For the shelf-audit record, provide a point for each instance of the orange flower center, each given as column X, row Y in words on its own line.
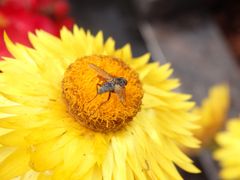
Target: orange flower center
column 95, row 98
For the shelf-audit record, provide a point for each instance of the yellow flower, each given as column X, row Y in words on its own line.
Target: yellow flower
column 228, row 152
column 213, row 112
column 55, row 125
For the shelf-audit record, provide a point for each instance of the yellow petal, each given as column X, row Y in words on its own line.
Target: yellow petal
column 14, row 165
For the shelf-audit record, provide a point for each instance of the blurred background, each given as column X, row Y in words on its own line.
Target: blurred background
column 200, row 38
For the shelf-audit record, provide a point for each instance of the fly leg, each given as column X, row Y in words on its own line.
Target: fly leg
column 109, row 96
column 98, row 85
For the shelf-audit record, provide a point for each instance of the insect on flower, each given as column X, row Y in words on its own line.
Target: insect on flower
column 111, row 85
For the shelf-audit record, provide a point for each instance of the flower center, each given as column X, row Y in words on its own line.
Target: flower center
column 102, row 93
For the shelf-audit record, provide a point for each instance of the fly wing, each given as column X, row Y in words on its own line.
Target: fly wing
column 101, row 72
column 120, row 91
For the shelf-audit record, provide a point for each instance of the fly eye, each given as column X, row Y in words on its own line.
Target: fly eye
column 124, row 82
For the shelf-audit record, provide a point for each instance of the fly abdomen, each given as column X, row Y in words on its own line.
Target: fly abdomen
column 106, row 87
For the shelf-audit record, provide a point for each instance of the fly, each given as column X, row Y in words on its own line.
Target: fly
column 111, row 84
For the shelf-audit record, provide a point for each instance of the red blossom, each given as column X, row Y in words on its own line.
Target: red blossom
column 18, row 18
column 57, row 8
column 18, row 26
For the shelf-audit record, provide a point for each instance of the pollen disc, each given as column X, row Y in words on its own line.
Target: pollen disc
column 95, row 111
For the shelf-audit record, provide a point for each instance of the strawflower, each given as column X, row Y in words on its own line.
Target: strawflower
column 55, row 125
column 228, row 152
column 213, row 112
